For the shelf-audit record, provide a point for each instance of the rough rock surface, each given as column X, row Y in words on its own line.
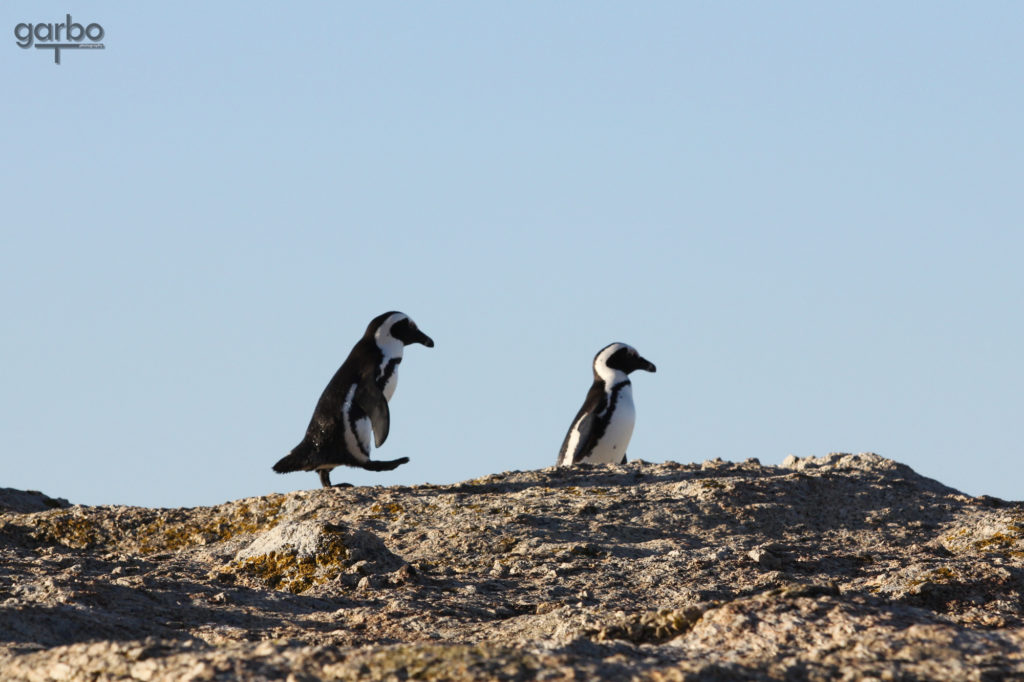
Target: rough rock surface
column 28, row 501
column 841, row 567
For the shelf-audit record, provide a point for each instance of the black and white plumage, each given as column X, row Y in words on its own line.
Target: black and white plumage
column 354, row 406
column 602, row 428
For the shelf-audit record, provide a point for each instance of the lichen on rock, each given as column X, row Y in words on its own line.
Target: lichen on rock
column 838, row 567
column 293, row 556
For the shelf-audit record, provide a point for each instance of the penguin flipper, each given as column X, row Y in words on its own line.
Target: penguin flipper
column 385, row 465
column 586, row 441
column 371, row 400
column 583, row 426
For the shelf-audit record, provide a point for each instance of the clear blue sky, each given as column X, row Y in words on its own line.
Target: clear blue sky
column 808, row 215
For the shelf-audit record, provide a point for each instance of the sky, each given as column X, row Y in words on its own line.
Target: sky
column 807, row 215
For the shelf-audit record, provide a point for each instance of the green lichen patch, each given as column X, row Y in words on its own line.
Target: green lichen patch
column 1009, row 542
column 76, row 528
column 380, row 510
column 649, row 627
column 1002, row 536
column 177, row 529
column 939, row 576
column 147, row 531
column 1000, row 541
column 943, row 574
column 289, row 571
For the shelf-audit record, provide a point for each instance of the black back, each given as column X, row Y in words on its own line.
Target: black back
column 595, row 422
column 324, row 441
column 326, row 430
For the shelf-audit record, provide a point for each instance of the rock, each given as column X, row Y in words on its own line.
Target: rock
column 836, row 567
column 764, row 557
column 26, row 501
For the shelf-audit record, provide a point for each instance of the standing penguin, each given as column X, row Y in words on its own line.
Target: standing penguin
column 602, row 428
column 354, row 405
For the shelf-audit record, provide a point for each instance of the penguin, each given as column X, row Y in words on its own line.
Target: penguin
column 601, row 430
column 354, row 406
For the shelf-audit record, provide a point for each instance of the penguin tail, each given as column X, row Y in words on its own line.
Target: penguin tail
column 386, row 465
column 296, row 460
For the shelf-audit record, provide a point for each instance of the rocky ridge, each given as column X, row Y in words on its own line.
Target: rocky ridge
column 840, row 567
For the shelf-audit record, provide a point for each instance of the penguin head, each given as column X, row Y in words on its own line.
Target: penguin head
column 619, row 359
column 393, row 328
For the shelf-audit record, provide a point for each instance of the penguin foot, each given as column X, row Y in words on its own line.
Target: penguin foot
column 325, row 478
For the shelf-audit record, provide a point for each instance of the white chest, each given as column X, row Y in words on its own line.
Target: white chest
column 391, row 384
column 389, row 367
column 611, row 447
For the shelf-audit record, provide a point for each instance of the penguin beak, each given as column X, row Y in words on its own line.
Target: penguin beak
column 645, row 364
column 420, row 337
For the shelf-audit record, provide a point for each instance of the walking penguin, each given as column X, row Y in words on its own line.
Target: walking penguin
column 601, row 430
column 354, row 406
